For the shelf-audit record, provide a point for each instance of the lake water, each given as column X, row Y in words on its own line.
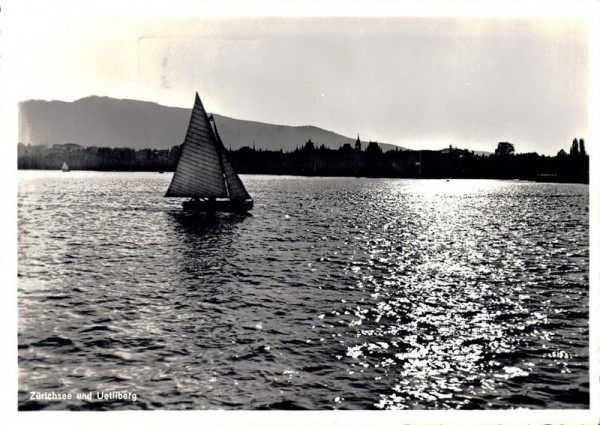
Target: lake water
column 335, row 293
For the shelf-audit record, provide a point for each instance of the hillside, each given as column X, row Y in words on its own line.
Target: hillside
column 108, row 122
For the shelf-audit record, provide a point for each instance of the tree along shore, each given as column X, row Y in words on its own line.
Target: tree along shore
column 348, row 160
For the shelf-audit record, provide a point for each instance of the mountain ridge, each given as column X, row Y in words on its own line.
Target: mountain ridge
column 106, row 121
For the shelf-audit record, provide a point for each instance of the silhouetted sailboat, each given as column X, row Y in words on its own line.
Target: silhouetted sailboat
column 204, row 171
column 65, row 167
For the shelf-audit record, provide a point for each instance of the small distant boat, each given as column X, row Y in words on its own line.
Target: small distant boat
column 204, row 171
column 65, row 167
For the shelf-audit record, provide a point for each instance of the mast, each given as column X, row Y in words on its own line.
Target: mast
column 220, row 148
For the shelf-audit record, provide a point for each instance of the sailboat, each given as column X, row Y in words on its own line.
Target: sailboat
column 204, row 171
column 65, row 167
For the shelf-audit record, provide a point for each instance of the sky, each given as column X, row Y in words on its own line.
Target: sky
column 419, row 82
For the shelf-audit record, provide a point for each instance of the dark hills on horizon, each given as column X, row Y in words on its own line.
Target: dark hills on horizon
column 104, row 134
column 108, row 122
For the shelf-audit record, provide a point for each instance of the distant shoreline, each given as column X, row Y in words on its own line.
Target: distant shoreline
column 325, row 176
column 347, row 161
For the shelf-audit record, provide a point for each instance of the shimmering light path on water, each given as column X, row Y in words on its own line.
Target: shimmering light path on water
column 335, row 293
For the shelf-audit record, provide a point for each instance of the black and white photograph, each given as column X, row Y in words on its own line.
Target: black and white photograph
column 250, row 209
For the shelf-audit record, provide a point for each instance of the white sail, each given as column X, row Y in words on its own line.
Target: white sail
column 199, row 172
column 65, row 167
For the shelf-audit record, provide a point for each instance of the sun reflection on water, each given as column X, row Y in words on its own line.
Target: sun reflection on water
column 449, row 294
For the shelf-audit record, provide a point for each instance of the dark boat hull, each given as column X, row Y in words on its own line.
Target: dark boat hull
column 225, row 205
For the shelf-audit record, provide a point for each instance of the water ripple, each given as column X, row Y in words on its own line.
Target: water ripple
column 335, row 293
